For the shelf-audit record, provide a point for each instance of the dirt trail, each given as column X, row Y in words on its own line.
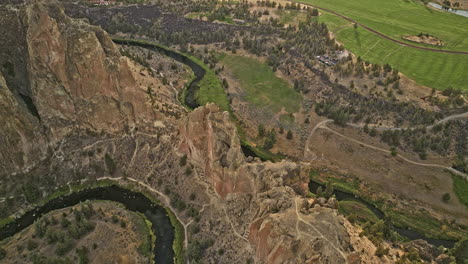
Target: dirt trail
column 381, row 34
column 446, row 119
column 299, row 219
column 398, row 155
column 306, row 148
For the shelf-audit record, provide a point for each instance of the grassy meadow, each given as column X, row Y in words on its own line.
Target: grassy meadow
column 262, row 87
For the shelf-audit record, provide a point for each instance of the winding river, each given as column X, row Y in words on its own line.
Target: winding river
column 406, row 232
column 133, row 201
column 198, row 70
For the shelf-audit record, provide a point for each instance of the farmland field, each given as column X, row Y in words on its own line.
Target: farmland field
column 433, row 69
column 397, row 18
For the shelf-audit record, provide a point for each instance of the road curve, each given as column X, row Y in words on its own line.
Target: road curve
column 381, row 34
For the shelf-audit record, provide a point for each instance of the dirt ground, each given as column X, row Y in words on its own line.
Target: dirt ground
column 426, row 40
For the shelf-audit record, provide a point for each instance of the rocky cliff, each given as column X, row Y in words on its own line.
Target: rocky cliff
column 60, row 74
column 73, row 109
column 262, row 200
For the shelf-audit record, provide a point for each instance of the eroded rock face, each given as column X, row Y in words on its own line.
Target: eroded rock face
column 21, row 134
column 60, row 74
column 262, row 198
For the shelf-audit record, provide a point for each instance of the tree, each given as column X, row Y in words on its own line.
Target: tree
column 110, row 164
column 315, row 12
column 446, row 197
column 355, row 26
column 319, row 191
column 381, row 251
column 460, row 251
column 270, row 140
column 183, row 160
column 2, row 253
column 261, row 131
column 393, row 151
column 328, row 190
column 289, row 135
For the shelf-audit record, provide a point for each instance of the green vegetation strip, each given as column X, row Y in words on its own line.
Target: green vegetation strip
column 460, row 186
column 436, row 70
column 179, row 236
column 360, row 210
column 420, row 222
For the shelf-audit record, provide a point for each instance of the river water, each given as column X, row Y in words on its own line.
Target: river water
column 406, row 232
column 133, row 201
column 453, row 11
column 199, row 72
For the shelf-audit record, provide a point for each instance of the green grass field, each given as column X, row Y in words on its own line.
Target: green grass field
column 262, row 87
column 460, row 186
column 211, row 89
column 432, row 69
column 397, row 18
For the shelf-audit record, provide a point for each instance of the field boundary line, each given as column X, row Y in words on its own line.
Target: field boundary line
column 379, row 33
column 373, row 46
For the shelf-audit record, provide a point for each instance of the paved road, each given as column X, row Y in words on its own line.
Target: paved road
column 381, row 34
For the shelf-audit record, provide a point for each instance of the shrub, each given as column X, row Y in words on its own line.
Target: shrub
column 110, row 164
column 446, row 197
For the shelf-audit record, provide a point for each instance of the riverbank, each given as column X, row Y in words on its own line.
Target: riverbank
column 97, row 231
column 128, row 194
column 203, row 88
column 409, row 225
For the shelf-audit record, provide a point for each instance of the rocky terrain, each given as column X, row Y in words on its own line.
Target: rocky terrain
column 73, row 109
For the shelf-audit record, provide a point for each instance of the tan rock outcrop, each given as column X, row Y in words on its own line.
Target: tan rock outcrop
column 261, row 198
column 60, row 74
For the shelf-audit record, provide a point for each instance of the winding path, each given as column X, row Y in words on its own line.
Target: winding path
column 446, row 119
column 306, row 149
column 300, row 219
column 381, row 34
column 323, row 126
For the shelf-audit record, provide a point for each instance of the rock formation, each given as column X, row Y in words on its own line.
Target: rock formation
column 73, row 109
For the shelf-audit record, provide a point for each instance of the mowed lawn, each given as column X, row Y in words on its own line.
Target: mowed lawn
column 397, row 18
column 432, row 69
column 260, row 84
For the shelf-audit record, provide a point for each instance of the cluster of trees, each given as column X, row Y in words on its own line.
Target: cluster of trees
column 62, row 232
column 333, row 110
column 308, row 40
column 267, row 137
column 454, row 98
column 197, row 248
column 447, row 4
